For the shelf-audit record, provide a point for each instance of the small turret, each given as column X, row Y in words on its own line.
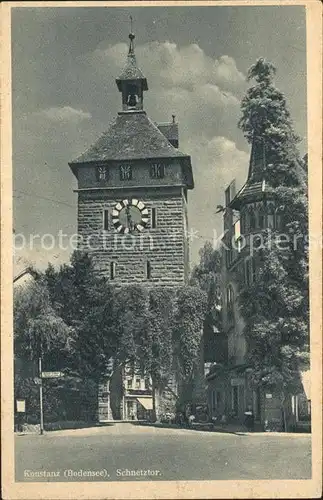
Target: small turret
column 132, row 83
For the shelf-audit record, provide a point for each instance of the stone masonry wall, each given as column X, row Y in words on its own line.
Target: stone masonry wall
column 164, row 247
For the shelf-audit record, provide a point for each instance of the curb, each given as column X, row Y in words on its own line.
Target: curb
column 219, row 430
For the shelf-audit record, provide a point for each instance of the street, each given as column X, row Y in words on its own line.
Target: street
column 122, row 451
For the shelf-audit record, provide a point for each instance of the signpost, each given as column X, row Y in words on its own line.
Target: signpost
column 20, row 409
column 41, row 399
column 21, row 405
column 52, row 374
column 43, row 375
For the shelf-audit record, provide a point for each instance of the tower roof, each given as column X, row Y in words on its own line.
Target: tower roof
column 259, row 181
column 255, row 185
column 131, row 71
column 130, row 136
column 133, row 136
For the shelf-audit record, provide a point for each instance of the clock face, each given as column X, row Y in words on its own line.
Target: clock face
column 129, row 216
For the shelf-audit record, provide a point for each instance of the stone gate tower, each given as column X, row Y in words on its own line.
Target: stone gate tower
column 132, row 211
column 132, row 193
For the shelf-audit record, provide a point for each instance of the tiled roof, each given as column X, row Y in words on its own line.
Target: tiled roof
column 132, row 72
column 132, row 135
column 251, row 190
column 170, row 130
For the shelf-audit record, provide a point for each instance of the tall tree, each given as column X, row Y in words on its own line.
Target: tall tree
column 207, row 275
column 38, row 329
column 276, row 305
column 188, row 339
column 85, row 302
column 156, row 352
column 143, row 320
column 265, row 118
column 38, row 332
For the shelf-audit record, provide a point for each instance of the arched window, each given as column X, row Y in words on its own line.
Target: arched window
column 252, row 219
column 242, row 221
column 279, row 217
column 261, row 217
column 247, row 221
column 230, row 303
column 270, row 217
column 249, row 271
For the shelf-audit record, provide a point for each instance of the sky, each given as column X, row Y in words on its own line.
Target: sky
column 64, row 64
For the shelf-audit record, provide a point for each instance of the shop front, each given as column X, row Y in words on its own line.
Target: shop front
column 138, row 407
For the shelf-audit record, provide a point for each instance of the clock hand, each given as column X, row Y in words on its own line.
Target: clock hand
column 129, row 221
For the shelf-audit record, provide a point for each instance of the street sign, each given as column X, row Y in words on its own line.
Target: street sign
column 21, row 405
column 52, row 374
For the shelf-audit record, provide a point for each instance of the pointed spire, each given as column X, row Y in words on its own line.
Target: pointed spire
column 257, row 165
column 131, row 70
column 132, row 81
column 131, row 38
column 131, row 45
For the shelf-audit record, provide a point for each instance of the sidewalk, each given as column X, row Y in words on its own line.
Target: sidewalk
column 237, row 429
column 240, row 429
column 119, row 427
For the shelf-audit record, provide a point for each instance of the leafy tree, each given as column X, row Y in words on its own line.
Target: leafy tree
column 207, row 275
column 158, row 329
column 38, row 332
column 156, row 353
column 85, row 302
column 130, row 319
column 134, row 325
column 162, row 310
column 187, row 337
column 143, row 321
column 276, row 306
column 38, row 329
column 266, row 120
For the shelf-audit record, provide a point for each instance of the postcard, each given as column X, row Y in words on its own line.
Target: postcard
column 161, row 183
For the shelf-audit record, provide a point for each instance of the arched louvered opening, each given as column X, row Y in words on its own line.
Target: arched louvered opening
column 270, row 216
column 261, row 217
column 279, row 217
column 230, row 303
column 252, row 219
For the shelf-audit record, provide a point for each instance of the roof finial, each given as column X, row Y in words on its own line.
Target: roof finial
column 131, row 37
